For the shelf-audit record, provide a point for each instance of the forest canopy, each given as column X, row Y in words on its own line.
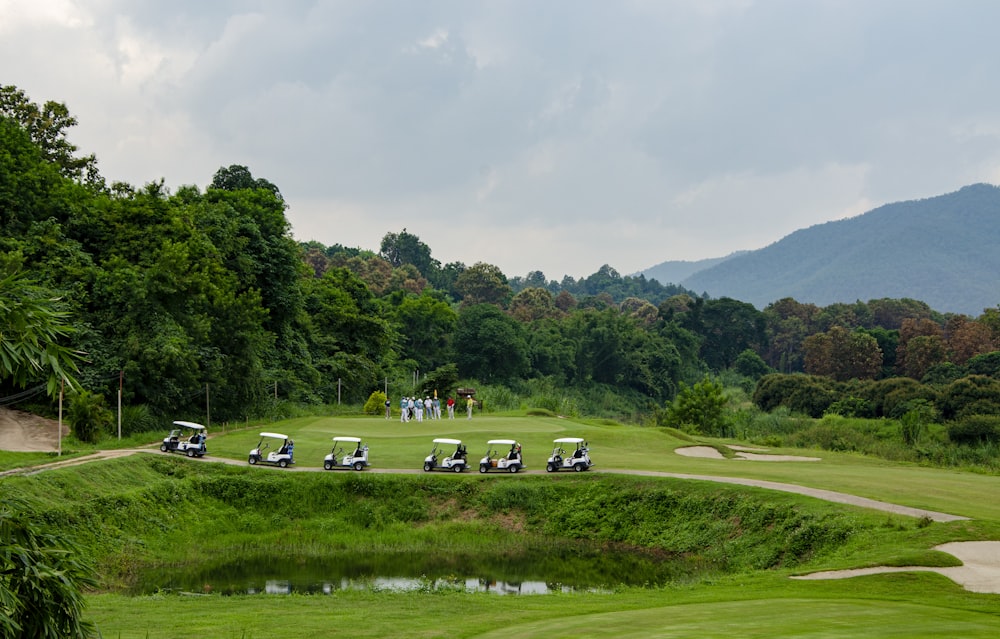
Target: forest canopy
column 194, row 292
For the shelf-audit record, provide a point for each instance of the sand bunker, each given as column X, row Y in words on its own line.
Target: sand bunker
column 707, row 452
column 24, row 432
column 979, row 572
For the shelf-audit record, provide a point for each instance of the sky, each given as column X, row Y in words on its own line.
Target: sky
column 540, row 135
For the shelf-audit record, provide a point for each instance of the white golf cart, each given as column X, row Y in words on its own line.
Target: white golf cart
column 188, row 438
column 511, row 461
column 578, row 459
column 356, row 459
column 281, row 456
column 455, row 462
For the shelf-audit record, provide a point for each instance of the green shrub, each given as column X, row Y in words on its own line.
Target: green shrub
column 851, row 407
column 975, row 429
column 698, row 409
column 806, row 394
column 972, row 395
column 919, row 413
column 375, row 404
column 89, row 417
column 139, row 419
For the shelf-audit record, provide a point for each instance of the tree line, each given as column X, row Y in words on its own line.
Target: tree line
column 181, row 291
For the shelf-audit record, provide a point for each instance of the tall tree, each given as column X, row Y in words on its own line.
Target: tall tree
column 237, row 177
column 729, row 327
column 406, row 248
column 967, row 338
column 532, row 304
column 48, row 126
column 483, row 283
column 842, row 354
column 489, row 344
column 921, row 345
column 349, row 339
column 426, row 324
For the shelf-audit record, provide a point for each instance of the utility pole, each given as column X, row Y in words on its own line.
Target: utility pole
column 62, row 385
column 120, row 376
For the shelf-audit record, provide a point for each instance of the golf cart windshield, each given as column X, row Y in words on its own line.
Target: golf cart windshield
column 509, row 443
column 446, row 441
column 264, row 436
column 353, row 443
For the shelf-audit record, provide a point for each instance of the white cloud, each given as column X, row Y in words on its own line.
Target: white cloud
column 435, row 41
column 34, row 14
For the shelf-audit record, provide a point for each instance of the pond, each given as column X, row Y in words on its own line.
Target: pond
column 540, row 570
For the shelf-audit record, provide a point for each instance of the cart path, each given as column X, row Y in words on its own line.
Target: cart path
column 818, row 493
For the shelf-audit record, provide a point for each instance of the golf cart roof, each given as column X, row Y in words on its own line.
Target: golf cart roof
column 275, row 435
column 447, row 440
column 356, row 440
column 509, row 442
column 569, row 440
column 190, row 425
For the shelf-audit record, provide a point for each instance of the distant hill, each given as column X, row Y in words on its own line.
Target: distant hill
column 676, row 271
column 943, row 250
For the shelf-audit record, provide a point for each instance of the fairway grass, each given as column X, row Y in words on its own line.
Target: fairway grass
column 394, row 445
column 764, row 607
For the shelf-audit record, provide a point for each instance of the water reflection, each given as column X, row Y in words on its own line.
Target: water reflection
column 407, row 584
column 531, row 571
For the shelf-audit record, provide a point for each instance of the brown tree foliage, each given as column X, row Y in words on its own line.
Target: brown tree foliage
column 967, row 338
column 921, row 345
column 533, row 304
column 842, row 354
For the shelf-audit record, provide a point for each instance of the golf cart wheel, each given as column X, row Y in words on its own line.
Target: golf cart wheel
column 190, row 452
column 550, row 467
column 428, row 466
column 483, row 468
column 327, row 465
column 282, row 463
column 579, row 467
column 163, row 447
column 458, row 468
column 513, row 468
column 359, row 465
column 252, row 460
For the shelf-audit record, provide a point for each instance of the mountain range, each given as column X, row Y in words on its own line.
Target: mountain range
column 942, row 250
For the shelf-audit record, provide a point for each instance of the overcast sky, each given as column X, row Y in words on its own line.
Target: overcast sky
column 552, row 135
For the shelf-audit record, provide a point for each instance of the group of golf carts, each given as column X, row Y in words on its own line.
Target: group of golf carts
column 349, row 452
column 577, row 459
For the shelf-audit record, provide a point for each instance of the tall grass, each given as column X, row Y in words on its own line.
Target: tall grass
column 883, row 438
